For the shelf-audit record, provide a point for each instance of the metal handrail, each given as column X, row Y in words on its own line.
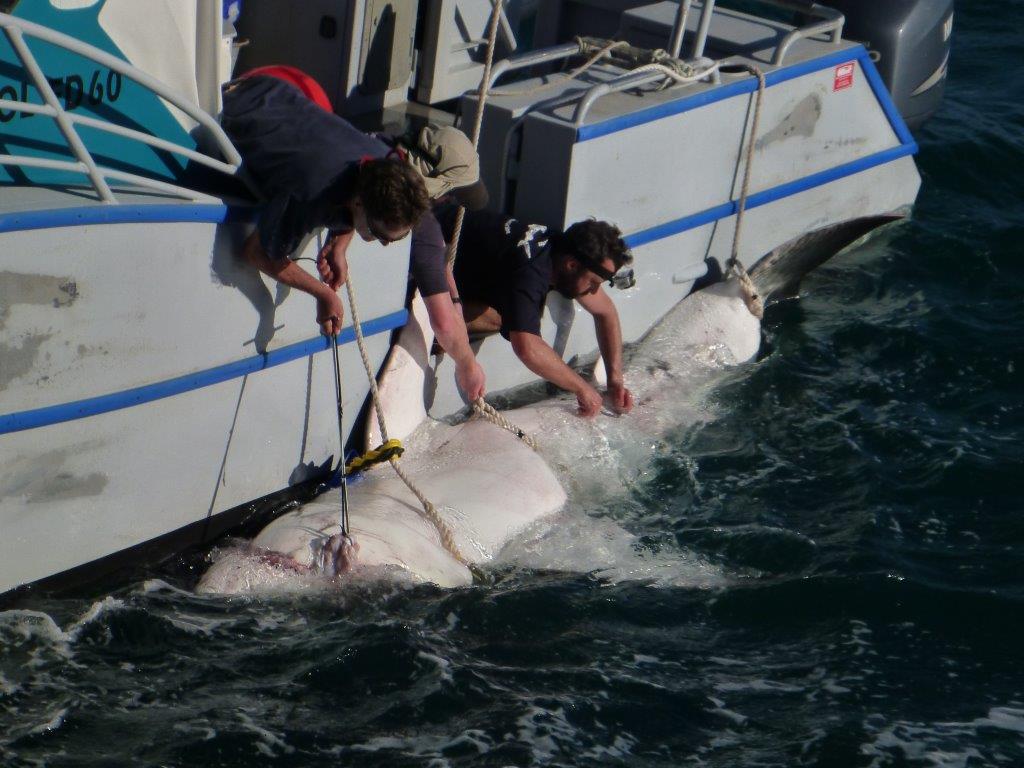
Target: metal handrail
column 28, row 161
column 16, row 29
column 703, row 26
column 603, row 89
column 832, row 22
column 120, row 130
column 675, row 44
column 541, row 56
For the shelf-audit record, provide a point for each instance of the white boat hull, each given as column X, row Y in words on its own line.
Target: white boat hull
column 84, row 471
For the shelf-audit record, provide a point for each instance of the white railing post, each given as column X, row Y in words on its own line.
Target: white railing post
column 70, row 134
column 16, row 30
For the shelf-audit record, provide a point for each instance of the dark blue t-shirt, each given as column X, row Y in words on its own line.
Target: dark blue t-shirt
column 304, row 159
column 504, row 263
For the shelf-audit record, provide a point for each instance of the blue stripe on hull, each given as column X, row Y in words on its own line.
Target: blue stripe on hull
column 907, row 145
column 768, row 196
column 749, row 85
column 93, row 406
column 121, row 214
column 167, row 213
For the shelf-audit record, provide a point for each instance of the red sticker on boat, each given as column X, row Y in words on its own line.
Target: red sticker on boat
column 844, row 76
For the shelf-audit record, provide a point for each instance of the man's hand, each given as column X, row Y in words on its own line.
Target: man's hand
column 622, row 398
column 332, row 263
column 589, row 401
column 471, row 380
column 329, row 312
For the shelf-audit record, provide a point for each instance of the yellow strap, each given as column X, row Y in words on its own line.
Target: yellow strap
column 387, row 451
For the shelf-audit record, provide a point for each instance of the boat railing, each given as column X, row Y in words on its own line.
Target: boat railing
column 16, row 30
column 829, row 22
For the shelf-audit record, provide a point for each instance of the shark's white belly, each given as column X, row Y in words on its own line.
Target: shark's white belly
column 487, row 485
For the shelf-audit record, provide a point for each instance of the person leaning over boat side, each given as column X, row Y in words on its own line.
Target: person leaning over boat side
column 504, row 270
column 316, row 170
column 450, row 167
column 286, row 124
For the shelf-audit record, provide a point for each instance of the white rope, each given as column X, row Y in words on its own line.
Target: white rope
column 735, row 267
column 488, row 412
column 430, row 511
column 675, row 75
column 485, row 84
column 481, row 407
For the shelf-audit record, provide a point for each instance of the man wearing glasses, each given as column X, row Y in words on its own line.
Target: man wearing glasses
column 504, row 270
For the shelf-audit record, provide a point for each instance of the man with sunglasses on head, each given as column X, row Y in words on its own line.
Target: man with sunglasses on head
column 504, row 270
column 315, row 170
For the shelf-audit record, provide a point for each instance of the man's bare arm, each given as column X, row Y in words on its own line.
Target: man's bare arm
column 609, row 340
column 332, row 263
column 329, row 310
column 537, row 355
column 450, row 330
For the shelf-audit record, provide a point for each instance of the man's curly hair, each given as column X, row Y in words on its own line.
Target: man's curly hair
column 392, row 192
column 592, row 242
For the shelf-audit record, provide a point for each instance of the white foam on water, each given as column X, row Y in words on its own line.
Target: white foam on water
column 1004, row 718
column 56, row 721
column 197, row 625
column 268, row 740
column 94, row 613
column 7, row 688
column 20, row 626
column 941, row 744
column 422, row 745
column 544, row 730
column 205, row 732
column 757, row 686
column 574, row 542
column 441, row 665
column 158, row 586
column 621, row 747
column 722, row 661
column 722, row 711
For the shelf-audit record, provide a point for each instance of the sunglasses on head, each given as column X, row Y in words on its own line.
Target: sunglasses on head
column 622, row 279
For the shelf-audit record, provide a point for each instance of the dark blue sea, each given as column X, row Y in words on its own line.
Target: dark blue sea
column 857, row 497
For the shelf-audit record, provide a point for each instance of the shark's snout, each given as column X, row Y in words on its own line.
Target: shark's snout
column 336, row 554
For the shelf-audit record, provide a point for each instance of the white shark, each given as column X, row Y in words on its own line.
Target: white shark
column 488, row 486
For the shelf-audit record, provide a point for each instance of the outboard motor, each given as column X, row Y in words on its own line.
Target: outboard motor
column 910, row 39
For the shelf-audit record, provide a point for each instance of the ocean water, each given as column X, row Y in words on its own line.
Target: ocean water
column 843, row 538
